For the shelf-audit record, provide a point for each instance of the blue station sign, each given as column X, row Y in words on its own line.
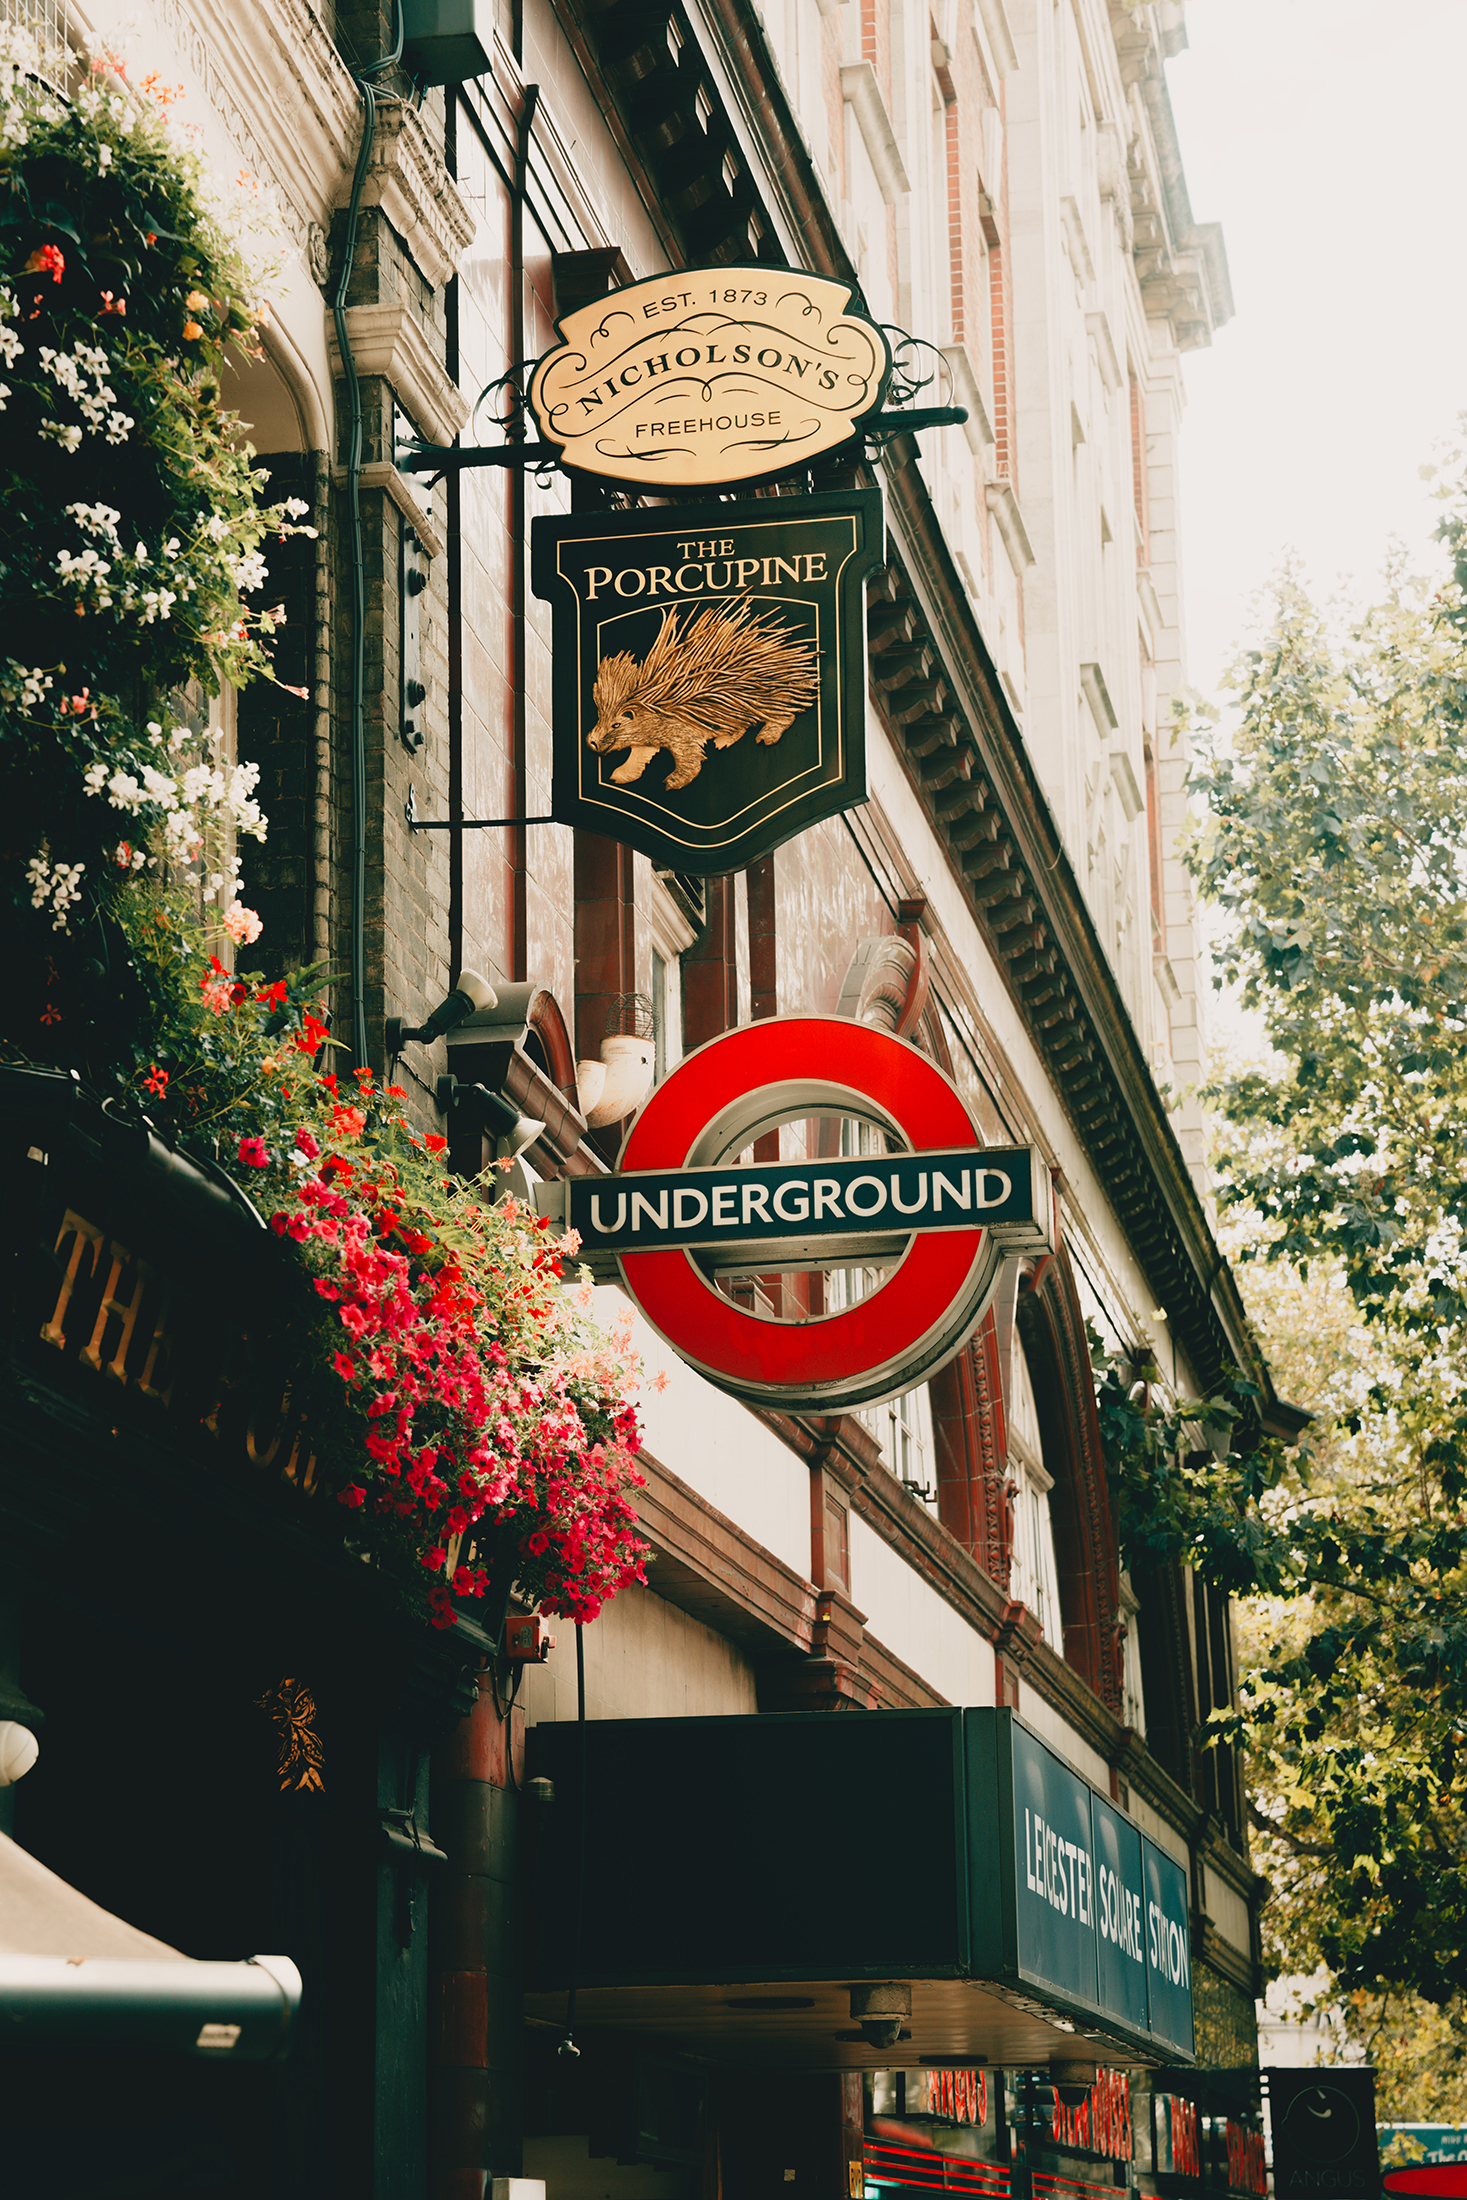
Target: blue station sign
column 1085, row 1906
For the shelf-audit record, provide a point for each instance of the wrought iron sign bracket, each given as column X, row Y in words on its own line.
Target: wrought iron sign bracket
column 431, row 459
column 877, row 428
column 416, row 824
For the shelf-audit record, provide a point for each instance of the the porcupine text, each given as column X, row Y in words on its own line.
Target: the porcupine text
column 703, row 559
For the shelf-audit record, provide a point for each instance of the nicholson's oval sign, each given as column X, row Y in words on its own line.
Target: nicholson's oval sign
column 709, row 376
column 939, row 1203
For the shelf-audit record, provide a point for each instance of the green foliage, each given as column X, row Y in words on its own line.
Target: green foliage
column 1187, row 1482
column 1335, row 845
column 131, row 525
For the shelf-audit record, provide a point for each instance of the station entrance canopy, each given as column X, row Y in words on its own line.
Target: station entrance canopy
column 743, row 1874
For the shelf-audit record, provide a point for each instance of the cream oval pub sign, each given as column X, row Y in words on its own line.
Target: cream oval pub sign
column 709, row 376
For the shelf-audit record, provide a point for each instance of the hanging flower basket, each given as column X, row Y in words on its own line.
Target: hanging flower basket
column 445, row 1388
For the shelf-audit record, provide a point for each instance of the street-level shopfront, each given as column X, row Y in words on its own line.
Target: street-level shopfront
column 235, row 1722
column 1177, row 2133
column 936, row 1956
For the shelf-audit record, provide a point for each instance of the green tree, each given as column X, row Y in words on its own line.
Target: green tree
column 1334, row 845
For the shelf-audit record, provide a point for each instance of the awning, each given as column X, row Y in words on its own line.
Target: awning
column 73, row 1976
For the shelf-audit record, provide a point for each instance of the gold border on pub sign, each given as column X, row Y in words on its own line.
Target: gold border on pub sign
column 710, row 376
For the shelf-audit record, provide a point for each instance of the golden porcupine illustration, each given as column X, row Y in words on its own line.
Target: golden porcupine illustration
column 726, row 669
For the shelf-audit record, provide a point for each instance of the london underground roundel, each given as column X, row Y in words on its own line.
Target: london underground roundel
column 938, row 1202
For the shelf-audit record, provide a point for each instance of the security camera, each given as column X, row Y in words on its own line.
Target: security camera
column 1072, row 2078
column 469, row 995
column 881, row 2011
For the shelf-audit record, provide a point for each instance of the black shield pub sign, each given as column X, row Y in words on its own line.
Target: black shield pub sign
column 709, row 688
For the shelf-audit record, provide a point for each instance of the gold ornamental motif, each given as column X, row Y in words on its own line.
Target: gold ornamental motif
column 293, row 1708
column 720, row 672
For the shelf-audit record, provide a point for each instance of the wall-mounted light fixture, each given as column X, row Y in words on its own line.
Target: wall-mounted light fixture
column 19, row 1750
column 616, row 1085
column 469, row 995
column 511, row 1132
column 1072, row 2078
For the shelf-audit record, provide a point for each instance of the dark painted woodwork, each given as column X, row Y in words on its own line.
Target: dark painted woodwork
column 606, row 947
column 474, row 2017
column 710, row 972
column 1056, row 1349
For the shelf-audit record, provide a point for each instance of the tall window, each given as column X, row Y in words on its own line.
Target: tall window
column 1034, row 1579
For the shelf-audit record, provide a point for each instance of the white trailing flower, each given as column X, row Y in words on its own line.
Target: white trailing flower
column 96, row 519
column 248, row 572
column 58, row 885
column 85, row 571
column 82, row 373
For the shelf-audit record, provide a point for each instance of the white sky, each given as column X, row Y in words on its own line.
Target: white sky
column 1327, row 136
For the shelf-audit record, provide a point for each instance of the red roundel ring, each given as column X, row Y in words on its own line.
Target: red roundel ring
column 929, row 1304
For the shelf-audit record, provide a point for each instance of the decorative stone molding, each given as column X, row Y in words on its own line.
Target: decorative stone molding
column 380, row 475
column 387, row 340
column 1004, row 506
column 410, row 184
column 1105, row 349
column 978, row 429
column 1123, row 774
column 1000, row 37
column 862, row 94
column 1097, row 695
column 281, row 91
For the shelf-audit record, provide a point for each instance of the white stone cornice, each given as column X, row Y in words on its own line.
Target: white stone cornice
column 287, row 101
column 387, row 340
column 409, row 182
column 405, row 494
column 862, row 95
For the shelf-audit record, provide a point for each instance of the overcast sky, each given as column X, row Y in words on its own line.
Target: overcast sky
column 1327, row 137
